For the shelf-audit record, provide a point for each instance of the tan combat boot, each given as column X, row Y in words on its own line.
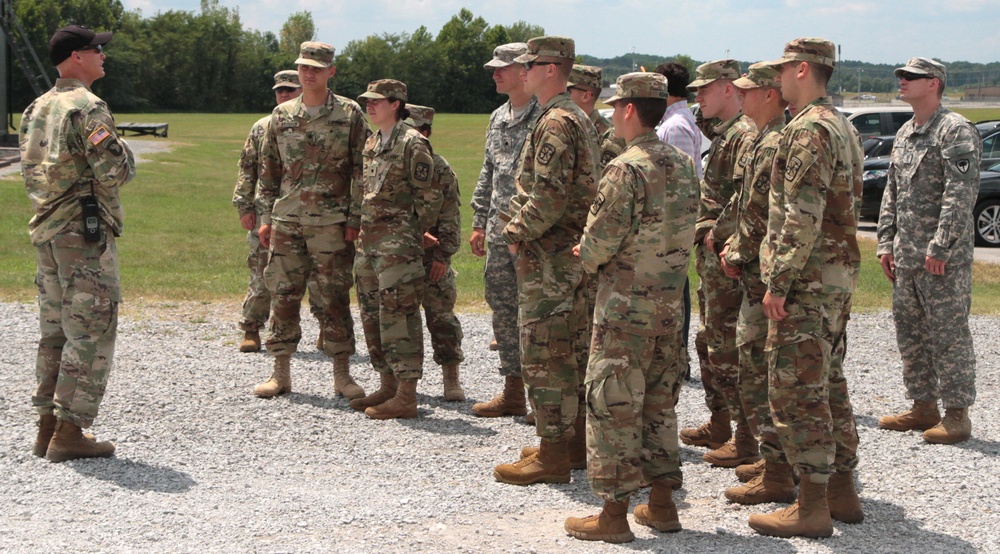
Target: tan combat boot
column 845, row 506
column 713, row 434
column 280, row 381
column 741, row 449
column 69, row 443
column 452, row 387
column 955, row 427
column 774, row 484
column 661, row 512
column 509, row 402
column 530, row 418
column 549, row 465
column 319, row 339
column 494, row 346
column 611, row 525
column 343, row 383
column 251, row 342
column 922, row 416
column 386, row 390
column 808, row 517
column 46, row 427
column 577, row 446
column 401, row 406
column 746, row 472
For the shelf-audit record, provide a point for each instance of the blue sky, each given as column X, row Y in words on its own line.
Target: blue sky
column 877, row 31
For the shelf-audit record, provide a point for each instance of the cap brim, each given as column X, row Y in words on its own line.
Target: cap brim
column 100, row 39
column 693, row 86
column 372, row 95
column 290, row 85
column 612, row 100
column 523, row 58
column 495, row 63
column 314, row 63
column 910, row 69
column 745, row 83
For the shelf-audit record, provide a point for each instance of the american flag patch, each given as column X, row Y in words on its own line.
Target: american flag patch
column 99, row 134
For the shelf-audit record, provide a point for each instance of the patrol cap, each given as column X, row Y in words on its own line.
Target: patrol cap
column 640, row 85
column 286, row 78
column 923, row 66
column 759, row 75
column 71, row 38
column 814, row 50
column 390, row 89
column 504, row 55
column 316, row 54
column 548, row 47
column 585, row 76
column 711, row 71
column 419, row 115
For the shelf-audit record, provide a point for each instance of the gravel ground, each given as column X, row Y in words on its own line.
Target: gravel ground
column 204, row 466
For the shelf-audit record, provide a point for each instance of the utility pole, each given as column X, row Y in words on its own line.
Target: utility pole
column 860, row 71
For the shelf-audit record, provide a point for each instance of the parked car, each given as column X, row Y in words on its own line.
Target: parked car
column 876, row 147
column 986, row 213
column 990, row 132
column 880, row 121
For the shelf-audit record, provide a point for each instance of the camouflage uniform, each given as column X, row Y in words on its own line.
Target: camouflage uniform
column 70, row 150
column 504, row 139
column 397, row 206
column 638, row 237
column 750, row 209
column 257, row 302
column 555, row 185
column 589, row 77
column 719, row 297
column 810, row 257
column 309, row 165
column 927, row 211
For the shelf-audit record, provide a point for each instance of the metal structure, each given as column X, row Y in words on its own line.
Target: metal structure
column 17, row 45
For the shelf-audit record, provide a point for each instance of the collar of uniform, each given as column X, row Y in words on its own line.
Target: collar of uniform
column 527, row 114
column 938, row 113
column 649, row 136
column 595, row 116
column 64, row 83
column 300, row 108
column 398, row 129
column 776, row 121
column 725, row 125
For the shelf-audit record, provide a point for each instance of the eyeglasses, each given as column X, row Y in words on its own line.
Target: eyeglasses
column 285, row 90
column 533, row 63
column 913, row 76
column 97, row 48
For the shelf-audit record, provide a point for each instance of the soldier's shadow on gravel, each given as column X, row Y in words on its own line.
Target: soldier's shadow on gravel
column 888, row 522
column 445, row 425
column 137, row 476
column 321, row 401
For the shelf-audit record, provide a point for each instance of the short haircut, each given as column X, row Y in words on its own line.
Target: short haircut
column 678, row 78
column 821, row 73
column 649, row 110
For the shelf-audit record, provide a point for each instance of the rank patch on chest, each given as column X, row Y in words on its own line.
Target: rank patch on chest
column 963, row 165
column 598, row 203
column 792, row 168
column 545, row 154
column 422, row 171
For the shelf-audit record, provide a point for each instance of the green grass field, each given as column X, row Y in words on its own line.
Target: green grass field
column 183, row 241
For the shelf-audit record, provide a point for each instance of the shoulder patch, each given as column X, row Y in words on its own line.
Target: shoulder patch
column 100, row 134
column 114, row 147
column 763, row 183
column 792, row 168
column 963, row 165
column 422, row 171
column 598, row 203
column 607, row 157
column 545, row 154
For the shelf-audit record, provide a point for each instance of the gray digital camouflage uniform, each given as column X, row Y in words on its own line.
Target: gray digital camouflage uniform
column 70, row 149
column 927, row 212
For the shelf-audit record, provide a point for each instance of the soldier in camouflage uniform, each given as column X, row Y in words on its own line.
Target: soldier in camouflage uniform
column 73, row 164
column 257, row 303
column 585, row 86
column 555, row 186
column 509, row 126
column 440, row 290
column 638, row 238
column 397, row 205
column 925, row 243
column 719, row 296
column 771, row 479
column 810, row 262
column 311, row 158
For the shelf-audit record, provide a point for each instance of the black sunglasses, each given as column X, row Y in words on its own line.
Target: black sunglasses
column 285, row 90
column 913, row 76
column 99, row 48
column 533, row 63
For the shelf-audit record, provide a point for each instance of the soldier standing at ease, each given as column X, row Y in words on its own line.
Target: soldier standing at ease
column 719, row 296
column 73, row 164
column 925, row 244
column 397, row 206
column 771, row 478
column 311, row 156
column 509, row 126
column 638, row 238
column 440, row 290
column 809, row 262
column 555, row 186
column 584, row 88
column 257, row 303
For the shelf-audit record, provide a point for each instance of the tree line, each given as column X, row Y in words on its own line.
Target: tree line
column 208, row 62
